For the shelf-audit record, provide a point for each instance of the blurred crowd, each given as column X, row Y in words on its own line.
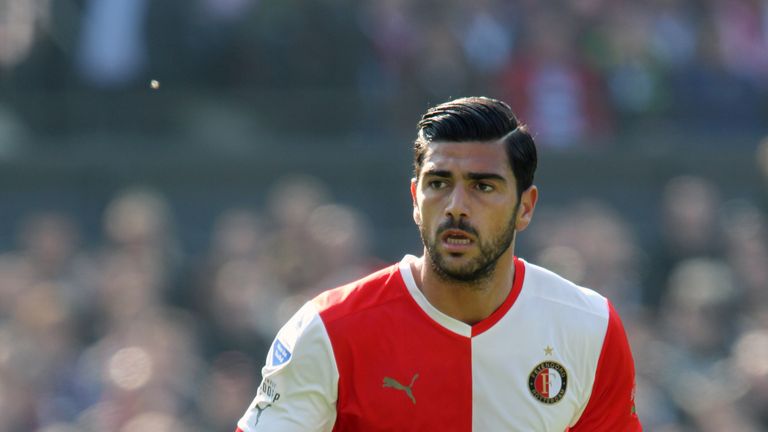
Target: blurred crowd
column 134, row 333
column 579, row 71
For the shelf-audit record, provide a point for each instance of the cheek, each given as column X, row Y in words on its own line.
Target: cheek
column 427, row 208
column 502, row 219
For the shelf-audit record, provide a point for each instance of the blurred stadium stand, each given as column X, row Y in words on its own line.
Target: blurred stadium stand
column 152, row 240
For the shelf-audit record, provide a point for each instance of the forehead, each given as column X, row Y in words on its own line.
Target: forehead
column 471, row 156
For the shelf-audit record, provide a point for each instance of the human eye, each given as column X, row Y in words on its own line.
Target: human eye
column 436, row 184
column 484, row 187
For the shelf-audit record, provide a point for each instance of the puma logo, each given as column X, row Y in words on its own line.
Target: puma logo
column 260, row 410
column 392, row 383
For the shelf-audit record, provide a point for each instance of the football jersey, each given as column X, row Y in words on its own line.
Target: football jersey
column 375, row 355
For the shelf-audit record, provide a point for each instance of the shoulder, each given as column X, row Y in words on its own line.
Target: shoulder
column 303, row 332
column 374, row 290
column 299, row 379
column 571, row 302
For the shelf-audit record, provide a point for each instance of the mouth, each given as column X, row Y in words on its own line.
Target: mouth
column 456, row 241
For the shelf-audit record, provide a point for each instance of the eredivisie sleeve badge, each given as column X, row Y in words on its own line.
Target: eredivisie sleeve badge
column 548, row 382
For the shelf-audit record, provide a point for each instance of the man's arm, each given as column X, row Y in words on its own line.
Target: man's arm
column 611, row 407
column 299, row 388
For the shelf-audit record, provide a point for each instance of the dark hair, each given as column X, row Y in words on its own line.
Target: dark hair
column 479, row 119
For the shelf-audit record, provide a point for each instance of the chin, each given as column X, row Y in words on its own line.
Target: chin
column 461, row 269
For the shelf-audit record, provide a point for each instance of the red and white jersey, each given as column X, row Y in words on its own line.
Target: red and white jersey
column 375, row 355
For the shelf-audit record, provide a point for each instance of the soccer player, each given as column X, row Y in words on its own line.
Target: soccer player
column 466, row 337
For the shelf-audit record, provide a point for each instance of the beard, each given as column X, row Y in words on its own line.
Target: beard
column 478, row 269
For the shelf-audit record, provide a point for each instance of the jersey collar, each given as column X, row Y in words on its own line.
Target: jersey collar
column 451, row 323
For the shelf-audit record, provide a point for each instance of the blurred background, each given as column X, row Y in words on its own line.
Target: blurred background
column 153, row 237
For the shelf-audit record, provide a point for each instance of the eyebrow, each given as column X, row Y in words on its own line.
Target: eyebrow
column 438, row 173
column 470, row 176
column 485, row 176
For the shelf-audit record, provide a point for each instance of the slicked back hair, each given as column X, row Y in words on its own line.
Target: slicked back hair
column 479, row 119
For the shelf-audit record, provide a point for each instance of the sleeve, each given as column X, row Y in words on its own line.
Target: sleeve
column 611, row 406
column 299, row 384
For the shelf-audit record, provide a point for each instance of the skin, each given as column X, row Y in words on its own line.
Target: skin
column 472, row 182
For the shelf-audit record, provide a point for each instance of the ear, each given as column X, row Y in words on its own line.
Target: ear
column 525, row 209
column 416, row 211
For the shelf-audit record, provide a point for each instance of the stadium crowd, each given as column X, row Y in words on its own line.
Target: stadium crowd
column 580, row 71
column 133, row 331
column 136, row 334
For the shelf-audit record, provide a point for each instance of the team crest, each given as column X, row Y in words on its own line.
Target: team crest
column 548, row 382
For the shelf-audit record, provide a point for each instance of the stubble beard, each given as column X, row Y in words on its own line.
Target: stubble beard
column 479, row 269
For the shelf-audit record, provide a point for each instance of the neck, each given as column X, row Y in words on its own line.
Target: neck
column 469, row 302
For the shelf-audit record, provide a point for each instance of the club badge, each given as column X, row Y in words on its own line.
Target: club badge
column 548, row 382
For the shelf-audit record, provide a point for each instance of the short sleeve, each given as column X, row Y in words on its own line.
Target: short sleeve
column 611, row 406
column 299, row 384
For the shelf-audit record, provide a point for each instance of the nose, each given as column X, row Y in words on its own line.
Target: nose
column 457, row 207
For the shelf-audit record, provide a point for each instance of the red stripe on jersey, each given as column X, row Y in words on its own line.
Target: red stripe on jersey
column 517, row 286
column 398, row 369
column 360, row 295
column 611, row 405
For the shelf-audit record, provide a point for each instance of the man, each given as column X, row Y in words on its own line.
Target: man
column 466, row 337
